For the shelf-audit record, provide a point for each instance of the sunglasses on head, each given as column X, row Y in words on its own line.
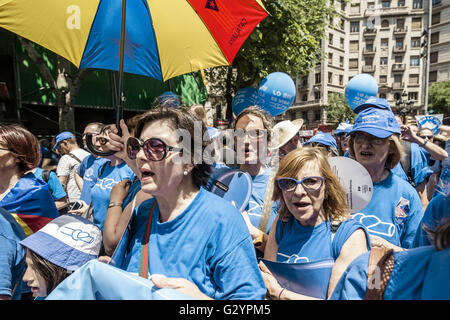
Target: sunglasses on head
column 313, row 183
column 154, row 148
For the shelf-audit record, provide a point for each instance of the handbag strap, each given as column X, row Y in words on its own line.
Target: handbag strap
column 143, row 264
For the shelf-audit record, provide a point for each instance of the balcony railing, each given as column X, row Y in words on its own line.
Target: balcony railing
column 398, row 67
column 399, row 49
column 400, row 30
column 370, row 32
column 369, row 50
column 368, row 69
column 398, row 86
column 303, row 103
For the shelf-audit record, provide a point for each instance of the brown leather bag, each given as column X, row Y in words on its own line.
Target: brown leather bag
column 381, row 264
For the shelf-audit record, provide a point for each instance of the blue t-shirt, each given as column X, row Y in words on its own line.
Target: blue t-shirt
column 418, row 274
column 256, row 202
column 437, row 209
column 394, row 212
column 420, row 171
column 102, row 188
column 208, row 244
column 89, row 169
column 12, row 255
column 55, row 186
column 297, row 243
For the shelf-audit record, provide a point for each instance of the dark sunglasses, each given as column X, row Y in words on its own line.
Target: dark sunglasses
column 309, row 183
column 427, row 137
column 154, row 148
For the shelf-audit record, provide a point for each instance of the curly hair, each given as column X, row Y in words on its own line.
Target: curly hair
column 23, row 145
column 180, row 118
column 335, row 203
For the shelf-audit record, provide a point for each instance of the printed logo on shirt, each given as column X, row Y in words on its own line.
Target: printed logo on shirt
column 107, row 183
column 401, row 210
column 254, row 208
column 374, row 225
column 293, row 258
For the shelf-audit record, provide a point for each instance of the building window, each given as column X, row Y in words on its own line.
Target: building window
column 400, row 3
column 354, row 26
column 330, row 58
column 353, row 64
column 305, row 115
column 317, row 95
column 369, row 46
column 330, row 77
column 385, row 23
column 384, row 42
column 415, row 42
column 341, row 80
column 433, row 76
column 330, row 39
column 436, row 18
column 413, row 79
column 417, row 4
column 399, row 43
column 317, row 116
column 436, row 2
column 385, row 4
column 317, row 79
column 304, row 81
column 413, row 96
column 354, row 46
column 434, row 37
column 398, row 78
column 383, row 95
column 342, row 24
column 342, row 43
column 305, row 97
column 416, row 23
column 383, row 79
column 434, row 57
column 414, row 61
column 383, row 60
column 341, row 61
column 400, row 23
column 368, row 61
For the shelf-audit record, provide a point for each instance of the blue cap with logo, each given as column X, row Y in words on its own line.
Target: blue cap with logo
column 380, row 123
column 374, row 102
column 68, row 241
column 323, row 138
column 62, row 136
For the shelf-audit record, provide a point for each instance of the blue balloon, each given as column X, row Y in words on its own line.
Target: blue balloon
column 243, row 99
column 359, row 89
column 276, row 93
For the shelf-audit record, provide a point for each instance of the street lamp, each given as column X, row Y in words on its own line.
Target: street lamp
column 405, row 105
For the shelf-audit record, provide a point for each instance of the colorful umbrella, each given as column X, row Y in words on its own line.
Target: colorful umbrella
column 157, row 38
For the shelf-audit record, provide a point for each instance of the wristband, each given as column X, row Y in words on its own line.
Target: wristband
column 279, row 295
column 113, row 204
column 423, row 144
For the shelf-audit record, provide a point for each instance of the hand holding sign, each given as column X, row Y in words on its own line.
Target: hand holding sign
column 276, row 93
column 359, row 89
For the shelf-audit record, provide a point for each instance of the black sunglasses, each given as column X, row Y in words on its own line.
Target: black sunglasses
column 154, row 148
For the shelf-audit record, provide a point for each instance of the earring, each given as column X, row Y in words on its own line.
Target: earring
column 185, row 172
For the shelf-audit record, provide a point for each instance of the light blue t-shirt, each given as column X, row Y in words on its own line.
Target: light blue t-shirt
column 208, row 244
column 12, row 255
column 256, row 202
column 297, row 243
column 418, row 274
column 437, row 210
column 102, row 188
column 420, row 171
column 394, row 212
column 55, row 186
column 89, row 169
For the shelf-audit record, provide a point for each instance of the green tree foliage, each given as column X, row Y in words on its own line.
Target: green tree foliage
column 288, row 40
column 439, row 97
column 338, row 110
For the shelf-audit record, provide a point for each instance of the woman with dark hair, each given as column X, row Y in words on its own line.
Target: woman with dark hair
column 194, row 238
column 21, row 193
column 313, row 222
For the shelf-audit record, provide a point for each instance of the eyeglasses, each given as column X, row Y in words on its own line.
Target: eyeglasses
column 254, row 134
column 309, row 183
column 360, row 138
column 154, row 148
column 102, row 140
column 426, row 137
column 4, row 149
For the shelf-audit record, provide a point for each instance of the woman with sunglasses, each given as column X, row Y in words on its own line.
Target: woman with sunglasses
column 196, row 239
column 313, row 206
column 395, row 210
column 107, row 176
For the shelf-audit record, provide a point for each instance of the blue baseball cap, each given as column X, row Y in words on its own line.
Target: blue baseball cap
column 343, row 128
column 374, row 102
column 323, row 138
column 380, row 123
column 62, row 136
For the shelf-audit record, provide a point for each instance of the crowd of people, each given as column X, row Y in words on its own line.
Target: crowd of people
column 157, row 183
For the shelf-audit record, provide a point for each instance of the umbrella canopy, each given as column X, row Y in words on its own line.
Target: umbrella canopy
column 163, row 38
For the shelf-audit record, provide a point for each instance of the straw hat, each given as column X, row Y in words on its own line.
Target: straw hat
column 284, row 131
